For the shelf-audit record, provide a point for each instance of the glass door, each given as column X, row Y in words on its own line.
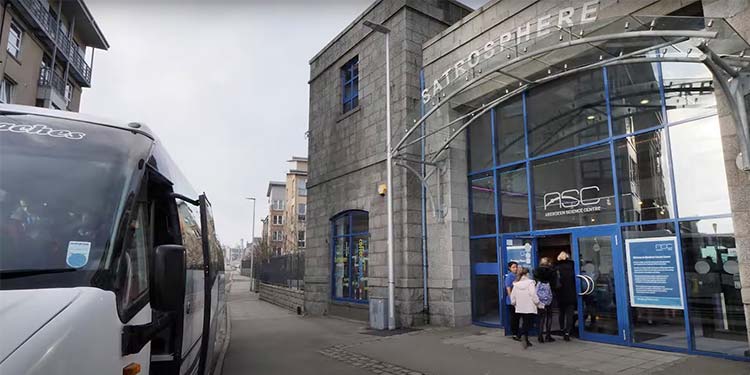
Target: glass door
column 522, row 250
column 601, row 285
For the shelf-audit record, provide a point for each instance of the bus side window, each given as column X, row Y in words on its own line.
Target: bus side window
column 135, row 262
column 191, row 237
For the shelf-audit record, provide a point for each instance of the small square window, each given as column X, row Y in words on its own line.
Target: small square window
column 350, row 84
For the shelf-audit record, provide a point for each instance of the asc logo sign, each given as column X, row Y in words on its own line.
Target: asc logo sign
column 573, row 201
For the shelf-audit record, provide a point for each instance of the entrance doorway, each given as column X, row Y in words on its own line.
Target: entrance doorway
column 599, row 276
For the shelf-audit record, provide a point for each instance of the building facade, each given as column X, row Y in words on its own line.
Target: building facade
column 276, row 195
column 47, row 43
column 295, row 214
column 614, row 131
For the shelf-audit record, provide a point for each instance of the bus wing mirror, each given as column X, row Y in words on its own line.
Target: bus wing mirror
column 168, row 278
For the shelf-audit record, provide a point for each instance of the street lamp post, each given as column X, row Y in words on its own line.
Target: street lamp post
column 389, row 172
column 252, row 251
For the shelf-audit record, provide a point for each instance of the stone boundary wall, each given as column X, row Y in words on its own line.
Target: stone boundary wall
column 288, row 298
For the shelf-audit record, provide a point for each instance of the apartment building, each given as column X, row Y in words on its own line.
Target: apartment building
column 49, row 52
column 295, row 215
column 276, row 205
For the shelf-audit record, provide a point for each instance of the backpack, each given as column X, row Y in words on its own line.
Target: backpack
column 544, row 292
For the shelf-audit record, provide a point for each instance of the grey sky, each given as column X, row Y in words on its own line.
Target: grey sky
column 223, row 84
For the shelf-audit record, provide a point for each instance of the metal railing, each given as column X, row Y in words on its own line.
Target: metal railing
column 49, row 78
column 48, row 24
column 283, row 270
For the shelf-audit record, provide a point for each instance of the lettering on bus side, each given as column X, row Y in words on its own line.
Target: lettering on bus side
column 42, row 130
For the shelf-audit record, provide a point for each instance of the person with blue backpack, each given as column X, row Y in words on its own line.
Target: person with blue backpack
column 546, row 279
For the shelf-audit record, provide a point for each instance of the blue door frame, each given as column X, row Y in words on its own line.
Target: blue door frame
column 621, row 293
column 618, row 264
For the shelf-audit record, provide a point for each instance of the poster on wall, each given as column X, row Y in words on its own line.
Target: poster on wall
column 520, row 254
column 654, row 273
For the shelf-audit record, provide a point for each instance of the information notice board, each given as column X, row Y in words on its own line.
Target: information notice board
column 654, row 273
column 520, row 254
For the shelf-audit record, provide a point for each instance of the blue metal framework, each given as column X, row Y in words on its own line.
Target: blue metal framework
column 349, row 237
column 350, row 84
column 613, row 229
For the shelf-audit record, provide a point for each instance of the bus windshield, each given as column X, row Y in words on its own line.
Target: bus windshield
column 63, row 185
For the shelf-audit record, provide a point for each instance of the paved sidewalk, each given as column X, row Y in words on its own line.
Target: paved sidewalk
column 266, row 339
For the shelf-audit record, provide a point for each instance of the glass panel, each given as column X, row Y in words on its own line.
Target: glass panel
column 514, row 200
column 360, row 222
column 600, row 304
column 713, row 286
column 574, row 189
column 688, row 91
column 359, row 268
column 484, row 250
column 665, row 327
column 482, row 205
column 486, row 299
column 341, row 267
column 643, row 174
column 509, row 133
column 568, row 112
column 347, row 92
column 341, row 226
column 699, row 173
column 519, row 250
column 480, row 143
column 634, row 97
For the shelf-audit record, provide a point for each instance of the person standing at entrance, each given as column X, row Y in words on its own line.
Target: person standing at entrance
column 566, row 293
column 546, row 279
column 510, row 277
column 525, row 300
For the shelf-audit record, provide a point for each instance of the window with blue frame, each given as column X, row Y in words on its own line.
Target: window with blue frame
column 635, row 145
column 350, row 245
column 350, row 84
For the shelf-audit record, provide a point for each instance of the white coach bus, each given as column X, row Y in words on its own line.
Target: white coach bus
column 109, row 263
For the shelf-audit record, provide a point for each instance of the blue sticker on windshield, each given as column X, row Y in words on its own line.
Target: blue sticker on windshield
column 78, row 253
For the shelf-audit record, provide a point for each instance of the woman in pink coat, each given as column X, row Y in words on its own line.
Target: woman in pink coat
column 524, row 298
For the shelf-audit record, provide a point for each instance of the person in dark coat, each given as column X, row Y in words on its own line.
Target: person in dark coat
column 566, row 293
column 546, row 279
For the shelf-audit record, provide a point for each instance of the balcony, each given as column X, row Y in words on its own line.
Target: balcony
column 52, row 87
column 52, row 34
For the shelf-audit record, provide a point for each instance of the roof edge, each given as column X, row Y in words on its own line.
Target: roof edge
column 345, row 30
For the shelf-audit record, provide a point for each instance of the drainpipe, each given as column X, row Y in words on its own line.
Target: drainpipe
column 425, row 290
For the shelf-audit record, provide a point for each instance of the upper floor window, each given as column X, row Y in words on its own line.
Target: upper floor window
column 15, row 36
column 301, row 239
column 276, row 236
column 302, row 188
column 277, row 205
column 278, row 219
column 350, row 84
column 68, row 92
column 7, row 89
column 302, row 212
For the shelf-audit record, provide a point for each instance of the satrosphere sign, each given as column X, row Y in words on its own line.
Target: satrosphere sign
column 654, row 273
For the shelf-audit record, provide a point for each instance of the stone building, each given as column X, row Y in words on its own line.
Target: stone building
column 615, row 131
